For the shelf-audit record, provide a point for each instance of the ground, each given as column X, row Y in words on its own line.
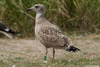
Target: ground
column 30, row 53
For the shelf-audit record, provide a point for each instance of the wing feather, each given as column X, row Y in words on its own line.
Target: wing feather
column 2, row 26
column 52, row 35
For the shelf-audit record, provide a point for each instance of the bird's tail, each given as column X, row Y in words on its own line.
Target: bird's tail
column 73, row 49
column 13, row 32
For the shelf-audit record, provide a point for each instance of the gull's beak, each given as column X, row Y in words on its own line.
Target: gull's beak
column 29, row 9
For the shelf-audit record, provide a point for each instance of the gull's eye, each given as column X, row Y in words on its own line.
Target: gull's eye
column 36, row 6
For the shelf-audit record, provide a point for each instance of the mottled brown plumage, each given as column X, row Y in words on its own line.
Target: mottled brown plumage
column 48, row 34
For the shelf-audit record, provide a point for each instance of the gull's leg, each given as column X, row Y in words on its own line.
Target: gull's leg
column 53, row 53
column 45, row 54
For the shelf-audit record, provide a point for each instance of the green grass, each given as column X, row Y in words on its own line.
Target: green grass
column 22, row 62
column 70, row 15
column 96, row 38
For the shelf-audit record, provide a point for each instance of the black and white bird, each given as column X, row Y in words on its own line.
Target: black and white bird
column 5, row 30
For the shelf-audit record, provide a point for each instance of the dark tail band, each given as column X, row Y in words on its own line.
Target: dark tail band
column 73, row 49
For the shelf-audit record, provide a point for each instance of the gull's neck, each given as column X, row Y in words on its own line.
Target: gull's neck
column 39, row 17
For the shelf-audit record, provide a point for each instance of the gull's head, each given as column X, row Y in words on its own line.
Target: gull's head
column 38, row 8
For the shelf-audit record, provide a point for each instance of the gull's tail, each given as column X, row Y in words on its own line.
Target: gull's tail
column 73, row 49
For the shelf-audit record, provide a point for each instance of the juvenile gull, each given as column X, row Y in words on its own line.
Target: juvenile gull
column 4, row 29
column 48, row 34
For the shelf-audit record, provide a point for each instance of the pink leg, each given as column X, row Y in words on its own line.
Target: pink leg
column 53, row 53
column 46, row 52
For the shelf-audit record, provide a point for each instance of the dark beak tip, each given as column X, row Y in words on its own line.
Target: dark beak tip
column 28, row 9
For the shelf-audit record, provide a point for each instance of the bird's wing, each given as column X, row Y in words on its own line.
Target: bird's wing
column 2, row 26
column 7, row 30
column 53, row 35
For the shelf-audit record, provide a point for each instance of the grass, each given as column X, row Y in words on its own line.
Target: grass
column 78, row 62
column 70, row 16
column 96, row 38
column 30, row 53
